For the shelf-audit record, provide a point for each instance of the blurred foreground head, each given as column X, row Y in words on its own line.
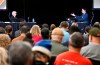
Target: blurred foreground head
column 20, row 53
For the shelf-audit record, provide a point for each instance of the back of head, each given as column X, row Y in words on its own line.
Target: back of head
column 76, row 40
column 35, row 30
column 22, row 24
column 64, row 24
column 96, row 24
column 20, row 53
column 74, row 24
column 4, row 40
column 2, row 30
column 52, row 26
column 87, row 28
column 8, row 28
column 3, row 56
column 57, row 35
column 95, row 32
column 45, row 33
column 24, row 29
column 45, row 26
column 22, row 20
column 73, row 29
column 28, row 38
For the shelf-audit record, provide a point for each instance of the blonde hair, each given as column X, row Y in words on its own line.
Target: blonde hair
column 4, row 40
column 35, row 30
column 3, row 56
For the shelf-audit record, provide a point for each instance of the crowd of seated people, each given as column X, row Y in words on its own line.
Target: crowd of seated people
column 54, row 45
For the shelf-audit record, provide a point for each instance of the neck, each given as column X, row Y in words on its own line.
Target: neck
column 95, row 40
column 76, row 50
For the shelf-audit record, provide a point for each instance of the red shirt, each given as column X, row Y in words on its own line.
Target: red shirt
column 71, row 58
column 36, row 38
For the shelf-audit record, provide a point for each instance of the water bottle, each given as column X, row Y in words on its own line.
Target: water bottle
column 33, row 20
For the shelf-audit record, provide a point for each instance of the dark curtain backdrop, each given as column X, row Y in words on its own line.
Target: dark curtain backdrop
column 47, row 11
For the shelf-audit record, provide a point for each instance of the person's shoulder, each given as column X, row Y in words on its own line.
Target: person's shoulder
column 85, row 49
column 61, row 55
column 86, row 61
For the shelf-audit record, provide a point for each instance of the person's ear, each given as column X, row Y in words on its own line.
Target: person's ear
column 30, row 61
column 69, row 43
column 90, row 38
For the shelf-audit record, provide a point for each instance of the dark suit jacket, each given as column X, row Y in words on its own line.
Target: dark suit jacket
column 13, row 19
column 82, row 18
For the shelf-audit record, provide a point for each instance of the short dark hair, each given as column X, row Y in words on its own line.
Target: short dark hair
column 45, row 33
column 73, row 29
column 19, row 53
column 28, row 38
column 24, row 29
column 64, row 24
column 22, row 24
column 45, row 26
column 52, row 26
column 8, row 28
column 77, row 40
column 87, row 28
column 96, row 24
column 2, row 30
column 95, row 32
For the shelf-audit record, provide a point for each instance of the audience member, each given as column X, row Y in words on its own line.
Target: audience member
column 86, row 35
column 56, row 37
column 42, row 50
column 20, row 53
column 73, row 29
column 91, row 51
column 9, row 31
column 2, row 30
column 3, row 56
column 64, row 27
column 36, row 33
column 52, row 26
column 74, row 24
column 28, row 38
column 23, row 31
column 17, row 33
column 4, row 40
column 96, row 24
column 45, row 26
column 73, row 56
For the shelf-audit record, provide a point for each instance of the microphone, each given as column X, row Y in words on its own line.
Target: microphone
column 28, row 19
column 92, row 13
column 9, row 16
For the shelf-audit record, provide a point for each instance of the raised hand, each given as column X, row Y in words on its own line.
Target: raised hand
column 73, row 14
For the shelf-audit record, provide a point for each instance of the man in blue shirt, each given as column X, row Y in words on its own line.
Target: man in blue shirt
column 83, row 17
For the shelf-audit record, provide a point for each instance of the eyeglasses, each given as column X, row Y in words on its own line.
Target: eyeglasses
column 58, row 34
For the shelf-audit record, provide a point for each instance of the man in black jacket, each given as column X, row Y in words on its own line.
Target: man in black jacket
column 13, row 17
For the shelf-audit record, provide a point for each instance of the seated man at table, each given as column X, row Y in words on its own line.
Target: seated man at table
column 13, row 17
